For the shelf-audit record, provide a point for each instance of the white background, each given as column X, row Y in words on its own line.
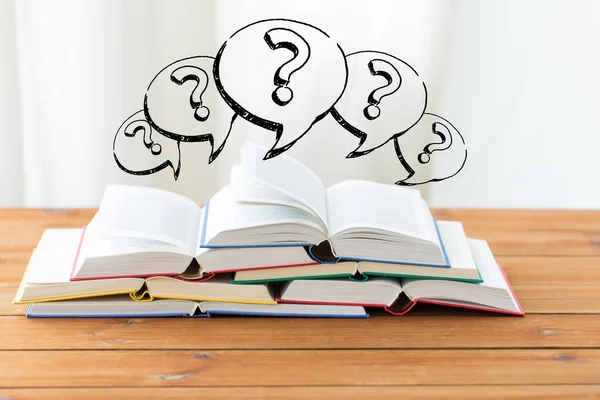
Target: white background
column 520, row 79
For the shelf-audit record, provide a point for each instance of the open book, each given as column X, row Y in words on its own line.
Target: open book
column 50, row 265
column 462, row 265
column 399, row 295
column 281, row 202
column 142, row 231
column 123, row 306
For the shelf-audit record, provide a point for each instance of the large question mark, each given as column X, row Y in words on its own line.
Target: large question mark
column 191, row 73
column 141, row 125
column 379, row 67
column 278, row 38
column 446, row 142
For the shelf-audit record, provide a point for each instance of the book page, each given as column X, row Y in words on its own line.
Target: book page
column 456, row 245
column 142, row 212
column 113, row 246
column 486, row 263
column 287, row 175
column 365, row 204
column 54, row 256
column 247, row 191
column 225, row 214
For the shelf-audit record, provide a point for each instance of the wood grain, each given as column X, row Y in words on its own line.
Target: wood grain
column 531, row 232
column 386, row 332
column 564, row 392
column 297, row 367
column 21, row 229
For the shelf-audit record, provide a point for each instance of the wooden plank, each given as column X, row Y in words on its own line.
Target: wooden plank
column 551, row 270
column 21, row 229
column 510, row 232
column 542, row 284
column 531, row 232
column 410, row 332
column 12, row 268
column 297, row 367
column 542, row 299
column 563, row 392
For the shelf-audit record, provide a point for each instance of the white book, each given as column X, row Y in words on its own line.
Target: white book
column 48, row 278
column 122, row 306
column 281, row 202
column 398, row 295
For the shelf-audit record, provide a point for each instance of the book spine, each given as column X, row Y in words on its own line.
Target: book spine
column 401, row 310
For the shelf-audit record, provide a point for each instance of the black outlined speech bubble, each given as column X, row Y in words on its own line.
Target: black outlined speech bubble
column 281, row 75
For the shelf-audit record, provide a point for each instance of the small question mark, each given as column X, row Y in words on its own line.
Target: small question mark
column 141, row 125
column 191, row 73
column 443, row 145
column 394, row 80
column 278, row 38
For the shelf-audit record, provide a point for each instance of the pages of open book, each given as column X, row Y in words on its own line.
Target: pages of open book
column 493, row 292
column 148, row 213
column 246, row 190
column 225, row 214
column 363, row 204
column 456, row 245
column 486, row 263
column 53, row 258
column 481, row 255
column 286, row 175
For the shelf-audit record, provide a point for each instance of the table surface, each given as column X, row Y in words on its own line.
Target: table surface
column 552, row 259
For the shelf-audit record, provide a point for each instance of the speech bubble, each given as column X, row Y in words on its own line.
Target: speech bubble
column 182, row 103
column 282, row 75
column 140, row 150
column 432, row 139
column 384, row 98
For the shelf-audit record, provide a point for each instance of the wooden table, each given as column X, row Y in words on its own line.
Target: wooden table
column 551, row 257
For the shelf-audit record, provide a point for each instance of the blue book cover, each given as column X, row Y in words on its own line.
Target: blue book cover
column 32, row 314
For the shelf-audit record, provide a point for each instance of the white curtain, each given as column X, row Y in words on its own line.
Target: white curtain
column 519, row 79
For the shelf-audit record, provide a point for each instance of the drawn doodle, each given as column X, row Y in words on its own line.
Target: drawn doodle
column 432, row 137
column 140, row 150
column 183, row 104
column 384, row 98
column 282, row 75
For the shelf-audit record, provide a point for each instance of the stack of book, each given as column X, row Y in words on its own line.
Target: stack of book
column 273, row 242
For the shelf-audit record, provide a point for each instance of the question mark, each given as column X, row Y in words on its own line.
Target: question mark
column 141, row 125
column 379, row 67
column 278, row 38
column 443, row 145
column 191, row 73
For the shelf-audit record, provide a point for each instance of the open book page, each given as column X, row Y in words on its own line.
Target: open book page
column 493, row 293
column 225, row 214
column 286, row 175
column 456, row 245
column 488, row 268
column 247, row 191
column 363, row 204
column 141, row 212
column 54, row 256
column 112, row 246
